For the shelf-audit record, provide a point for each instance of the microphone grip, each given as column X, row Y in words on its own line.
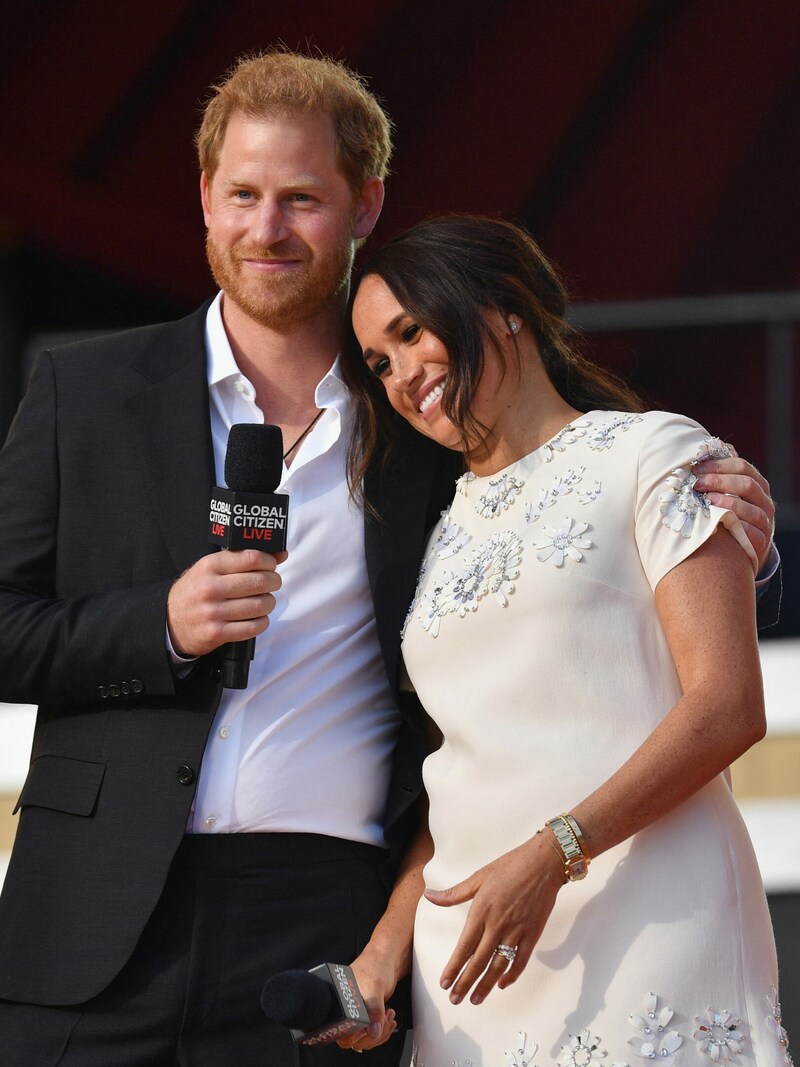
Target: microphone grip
column 236, row 657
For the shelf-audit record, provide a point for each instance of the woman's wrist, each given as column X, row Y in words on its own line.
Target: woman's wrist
column 391, row 948
column 570, row 844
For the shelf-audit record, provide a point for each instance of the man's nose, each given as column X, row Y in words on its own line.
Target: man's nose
column 270, row 224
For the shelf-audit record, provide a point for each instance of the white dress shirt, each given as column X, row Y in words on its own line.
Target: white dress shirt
column 307, row 747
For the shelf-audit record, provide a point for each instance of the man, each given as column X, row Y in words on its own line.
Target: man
column 178, row 844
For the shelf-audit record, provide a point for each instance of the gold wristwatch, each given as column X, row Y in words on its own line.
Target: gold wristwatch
column 573, row 846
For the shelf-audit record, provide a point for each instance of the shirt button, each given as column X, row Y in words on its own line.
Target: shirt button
column 224, row 732
column 240, row 386
column 211, row 820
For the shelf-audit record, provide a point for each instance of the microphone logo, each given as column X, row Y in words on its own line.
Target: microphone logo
column 248, row 520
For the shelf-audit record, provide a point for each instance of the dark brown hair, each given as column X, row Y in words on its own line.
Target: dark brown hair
column 446, row 273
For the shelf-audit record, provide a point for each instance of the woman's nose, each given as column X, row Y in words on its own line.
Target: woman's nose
column 406, row 372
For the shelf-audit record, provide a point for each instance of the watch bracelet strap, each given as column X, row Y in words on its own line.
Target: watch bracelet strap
column 573, row 825
column 570, row 844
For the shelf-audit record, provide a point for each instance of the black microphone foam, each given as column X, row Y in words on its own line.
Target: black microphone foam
column 297, row 999
column 254, row 459
column 318, row 1006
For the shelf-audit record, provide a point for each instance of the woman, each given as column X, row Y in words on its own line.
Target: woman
column 583, row 638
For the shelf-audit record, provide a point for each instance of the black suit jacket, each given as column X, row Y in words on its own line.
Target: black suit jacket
column 105, row 482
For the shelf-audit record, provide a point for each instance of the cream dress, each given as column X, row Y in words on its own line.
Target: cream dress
column 534, row 644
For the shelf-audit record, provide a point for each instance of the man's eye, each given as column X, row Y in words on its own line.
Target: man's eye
column 380, row 367
column 409, row 332
column 243, row 194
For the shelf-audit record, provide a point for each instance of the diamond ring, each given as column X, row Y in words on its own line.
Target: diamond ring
column 508, row 952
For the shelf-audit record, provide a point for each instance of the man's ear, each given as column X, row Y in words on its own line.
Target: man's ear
column 368, row 207
column 205, row 195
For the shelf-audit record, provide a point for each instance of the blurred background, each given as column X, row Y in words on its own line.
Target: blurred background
column 650, row 145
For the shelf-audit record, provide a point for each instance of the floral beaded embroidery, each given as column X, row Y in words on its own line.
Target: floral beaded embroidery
column 775, row 1023
column 463, row 482
column 547, row 497
column 713, row 448
column 653, row 1040
column 499, row 496
column 571, row 433
column 452, row 538
column 681, row 503
column 718, row 1035
column 522, row 1056
column 588, row 496
column 560, row 541
column 415, row 1061
column 490, row 569
column 581, row 1050
column 604, row 436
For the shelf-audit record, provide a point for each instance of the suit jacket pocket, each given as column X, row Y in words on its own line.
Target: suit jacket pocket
column 62, row 784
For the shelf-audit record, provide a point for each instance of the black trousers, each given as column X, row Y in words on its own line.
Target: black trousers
column 236, row 909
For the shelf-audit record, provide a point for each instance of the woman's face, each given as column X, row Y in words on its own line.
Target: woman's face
column 413, row 364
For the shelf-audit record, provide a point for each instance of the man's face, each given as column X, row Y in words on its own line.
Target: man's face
column 282, row 218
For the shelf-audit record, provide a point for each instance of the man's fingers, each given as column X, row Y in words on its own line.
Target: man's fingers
column 225, row 596
column 739, row 485
column 249, row 559
column 732, row 475
column 744, row 510
column 367, row 1039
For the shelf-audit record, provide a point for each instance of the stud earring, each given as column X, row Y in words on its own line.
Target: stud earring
column 513, row 325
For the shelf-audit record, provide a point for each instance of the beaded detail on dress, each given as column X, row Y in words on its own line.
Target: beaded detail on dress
column 718, row 1036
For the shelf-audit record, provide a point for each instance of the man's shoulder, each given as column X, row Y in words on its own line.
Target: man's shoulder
column 133, row 343
column 413, row 447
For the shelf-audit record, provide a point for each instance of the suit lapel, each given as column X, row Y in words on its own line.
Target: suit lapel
column 171, row 409
column 405, row 498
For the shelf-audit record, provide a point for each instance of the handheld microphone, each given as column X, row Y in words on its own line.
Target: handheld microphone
column 249, row 514
column 319, row 1006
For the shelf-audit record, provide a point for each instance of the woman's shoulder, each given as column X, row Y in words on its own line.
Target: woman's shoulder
column 657, row 431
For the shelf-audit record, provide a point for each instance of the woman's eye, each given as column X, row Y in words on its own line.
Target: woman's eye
column 380, row 367
column 409, row 332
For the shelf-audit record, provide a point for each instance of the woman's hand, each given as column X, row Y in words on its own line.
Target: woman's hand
column 375, row 976
column 386, row 958
column 512, row 898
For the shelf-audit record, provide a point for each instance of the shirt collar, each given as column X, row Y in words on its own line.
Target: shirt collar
column 220, row 362
column 331, row 392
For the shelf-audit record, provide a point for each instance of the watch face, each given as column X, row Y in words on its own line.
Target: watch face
column 577, row 870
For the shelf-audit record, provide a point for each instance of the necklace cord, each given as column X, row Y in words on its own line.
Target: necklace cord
column 307, row 430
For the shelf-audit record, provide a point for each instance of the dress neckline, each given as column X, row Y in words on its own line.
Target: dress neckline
column 545, row 451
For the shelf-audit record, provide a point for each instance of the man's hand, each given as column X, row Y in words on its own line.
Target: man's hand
column 225, row 596
column 737, row 485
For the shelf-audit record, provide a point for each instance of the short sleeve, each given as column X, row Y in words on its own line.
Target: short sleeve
column 672, row 519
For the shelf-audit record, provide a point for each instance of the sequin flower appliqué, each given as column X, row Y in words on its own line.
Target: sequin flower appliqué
column 489, row 570
column 718, row 1035
column 654, row 1040
column 681, row 502
column 557, row 542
